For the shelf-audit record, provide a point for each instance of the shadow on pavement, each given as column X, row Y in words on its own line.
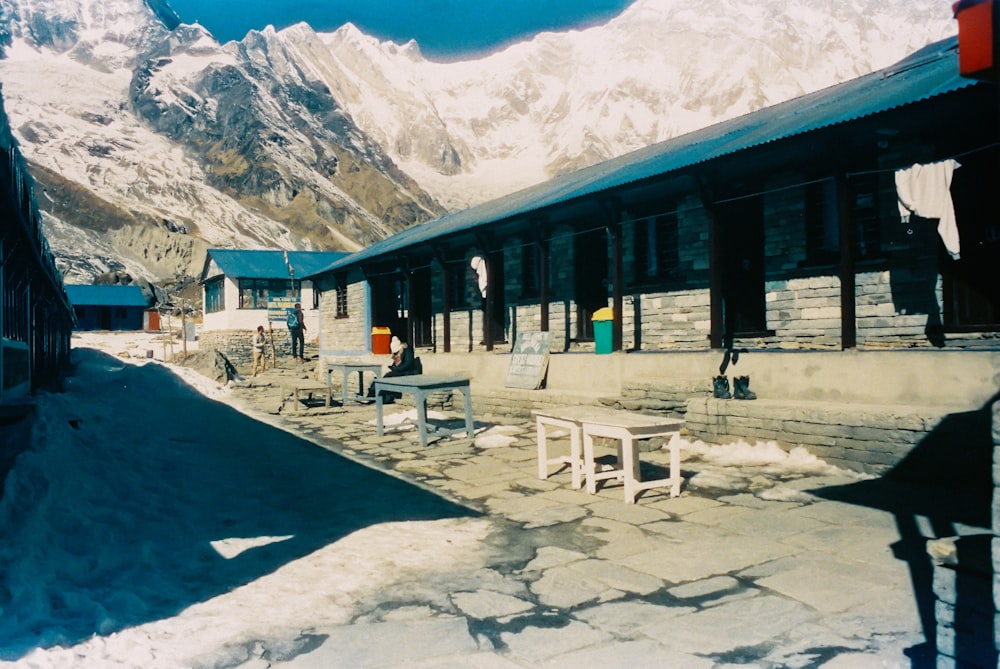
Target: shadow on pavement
column 159, row 473
column 942, row 488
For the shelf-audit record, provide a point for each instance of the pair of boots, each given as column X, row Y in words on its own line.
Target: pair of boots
column 741, row 388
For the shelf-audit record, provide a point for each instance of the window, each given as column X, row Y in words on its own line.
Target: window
column 458, row 282
column 341, row 297
column 254, row 293
column 530, row 271
column 822, row 226
column 867, row 218
column 215, row 296
column 656, row 248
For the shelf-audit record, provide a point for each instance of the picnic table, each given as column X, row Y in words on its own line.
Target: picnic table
column 347, row 368
column 421, row 386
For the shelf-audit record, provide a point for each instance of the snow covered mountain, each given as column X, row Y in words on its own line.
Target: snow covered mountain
column 149, row 139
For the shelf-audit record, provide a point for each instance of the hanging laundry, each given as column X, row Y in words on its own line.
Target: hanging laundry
column 925, row 190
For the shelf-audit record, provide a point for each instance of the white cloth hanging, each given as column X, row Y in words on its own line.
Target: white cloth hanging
column 479, row 264
column 925, row 190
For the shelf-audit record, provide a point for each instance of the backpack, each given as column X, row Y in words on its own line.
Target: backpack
column 292, row 319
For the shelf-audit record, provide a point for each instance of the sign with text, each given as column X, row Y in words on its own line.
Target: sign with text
column 529, row 360
column 278, row 308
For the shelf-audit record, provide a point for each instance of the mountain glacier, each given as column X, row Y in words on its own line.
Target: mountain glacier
column 149, row 140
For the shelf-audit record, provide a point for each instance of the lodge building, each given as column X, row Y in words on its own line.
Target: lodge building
column 781, row 229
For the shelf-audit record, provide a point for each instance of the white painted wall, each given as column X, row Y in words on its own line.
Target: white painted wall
column 234, row 318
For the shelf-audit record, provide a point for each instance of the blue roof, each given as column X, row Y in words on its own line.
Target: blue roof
column 243, row 264
column 106, row 296
column 930, row 72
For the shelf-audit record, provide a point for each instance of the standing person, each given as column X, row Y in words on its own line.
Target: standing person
column 296, row 329
column 259, row 341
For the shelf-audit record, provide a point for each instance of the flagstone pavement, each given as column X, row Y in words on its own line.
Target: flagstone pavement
column 751, row 565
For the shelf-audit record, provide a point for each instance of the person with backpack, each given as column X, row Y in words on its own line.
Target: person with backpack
column 296, row 329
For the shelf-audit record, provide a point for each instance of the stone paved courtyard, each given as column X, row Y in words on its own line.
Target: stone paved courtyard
column 758, row 562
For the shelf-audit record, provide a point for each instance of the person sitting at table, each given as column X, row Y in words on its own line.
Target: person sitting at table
column 403, row 364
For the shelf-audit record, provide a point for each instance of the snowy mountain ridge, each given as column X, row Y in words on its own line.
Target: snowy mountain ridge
column 150, row 140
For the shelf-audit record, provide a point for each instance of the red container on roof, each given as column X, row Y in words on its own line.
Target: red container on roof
column 977, row 35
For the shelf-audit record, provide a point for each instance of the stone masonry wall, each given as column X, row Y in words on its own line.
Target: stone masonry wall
column 345, row 334
column 237, row 344
column 805, row 311
column 871, row 439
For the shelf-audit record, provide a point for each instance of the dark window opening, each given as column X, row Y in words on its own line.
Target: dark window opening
column 530, row 271
column 254, row 293
column 657, row 255
column 341, row 297
column 215, row 296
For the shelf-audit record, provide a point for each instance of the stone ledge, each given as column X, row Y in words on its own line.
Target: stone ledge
column 869, row 438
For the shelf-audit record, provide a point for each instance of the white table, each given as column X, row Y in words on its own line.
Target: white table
column 568, row 418
column 628, row 429
column 420, row 386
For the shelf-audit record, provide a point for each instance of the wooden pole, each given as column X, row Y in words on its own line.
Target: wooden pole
column 184, row 337
column 274, row 354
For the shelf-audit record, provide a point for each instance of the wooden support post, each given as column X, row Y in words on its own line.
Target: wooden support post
column 715, row 286
column 848, row 246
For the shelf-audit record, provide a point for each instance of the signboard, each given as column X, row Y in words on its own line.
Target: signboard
column 529, row 360
column 278, row 308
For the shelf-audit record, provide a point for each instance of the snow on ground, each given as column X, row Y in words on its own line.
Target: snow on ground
column 149, row 525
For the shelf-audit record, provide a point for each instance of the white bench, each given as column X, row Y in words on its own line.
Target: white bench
column 567, row 418
column 586, row 422
column 628, row 429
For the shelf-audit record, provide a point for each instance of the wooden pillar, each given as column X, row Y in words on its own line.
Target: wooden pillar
column 617, row 284
column 484, row 248
column 445, row 301
column 848, row 250
column 715, row 284
column 543, row 278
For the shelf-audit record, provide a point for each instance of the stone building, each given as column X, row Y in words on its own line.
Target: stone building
column 781, row 229
column 838, row 248
column 239, row 286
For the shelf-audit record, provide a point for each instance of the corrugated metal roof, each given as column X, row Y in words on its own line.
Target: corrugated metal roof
column 930, row 72
column 106, row 296
column 257, row 264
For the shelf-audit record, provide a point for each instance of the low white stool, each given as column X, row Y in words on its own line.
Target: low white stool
column 628, row 429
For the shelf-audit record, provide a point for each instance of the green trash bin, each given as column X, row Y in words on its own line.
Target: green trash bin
column 603, row 323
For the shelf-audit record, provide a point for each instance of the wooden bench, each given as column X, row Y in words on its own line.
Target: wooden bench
column 293, row 388
column 586, row 422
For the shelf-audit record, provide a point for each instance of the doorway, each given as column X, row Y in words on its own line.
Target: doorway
column 742, row 271
column 421, row 317
column 590, row 270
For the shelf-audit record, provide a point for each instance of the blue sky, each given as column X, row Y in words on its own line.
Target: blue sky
column 445, row 29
